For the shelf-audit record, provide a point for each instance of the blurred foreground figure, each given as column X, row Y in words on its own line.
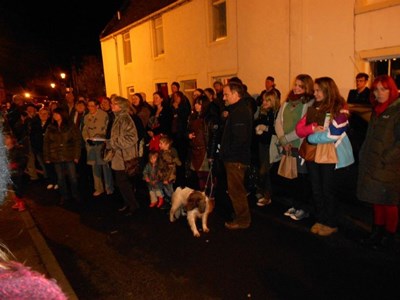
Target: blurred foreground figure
column 16, row 280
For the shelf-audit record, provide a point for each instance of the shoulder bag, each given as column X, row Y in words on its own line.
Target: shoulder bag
column 326, row 154
column 288, row 166
column 307, row 150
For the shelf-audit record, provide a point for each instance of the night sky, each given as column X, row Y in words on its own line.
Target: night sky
column 36, row 37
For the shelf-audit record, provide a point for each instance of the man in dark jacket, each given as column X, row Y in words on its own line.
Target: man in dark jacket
column 235, row 152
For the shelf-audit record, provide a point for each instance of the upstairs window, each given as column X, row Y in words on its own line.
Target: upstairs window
column 127, row 48
column 218, row 19
column 158, row 35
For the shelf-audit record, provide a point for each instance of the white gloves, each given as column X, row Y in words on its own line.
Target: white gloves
column 261, row 128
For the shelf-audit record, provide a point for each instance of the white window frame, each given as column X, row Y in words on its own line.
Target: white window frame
column 218, row 18
column 392, row 67
column 126, row 45
column 158, row 36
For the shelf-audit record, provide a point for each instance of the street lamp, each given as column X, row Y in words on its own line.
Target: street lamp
column 62, row 83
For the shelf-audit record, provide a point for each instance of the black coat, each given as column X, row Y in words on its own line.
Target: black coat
column 236, row 138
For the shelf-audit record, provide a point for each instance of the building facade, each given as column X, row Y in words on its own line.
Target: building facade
column 195, row 42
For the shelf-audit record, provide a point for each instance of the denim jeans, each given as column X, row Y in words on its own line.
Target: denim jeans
column 237, row 192
column 100, row 172
column 63, row 170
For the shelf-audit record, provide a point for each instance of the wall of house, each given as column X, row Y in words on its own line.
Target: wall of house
column 286, row 38
column 265, row 37
column 378, row 29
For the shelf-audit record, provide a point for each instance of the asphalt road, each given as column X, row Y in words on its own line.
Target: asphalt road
column 106, row 255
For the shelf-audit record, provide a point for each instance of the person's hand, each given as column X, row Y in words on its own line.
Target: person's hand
column 282, row 140
column 192, row 135
column 76, row 160
column 287, row 147
column 319, row 129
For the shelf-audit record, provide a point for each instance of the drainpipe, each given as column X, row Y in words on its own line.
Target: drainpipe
column 118, row 65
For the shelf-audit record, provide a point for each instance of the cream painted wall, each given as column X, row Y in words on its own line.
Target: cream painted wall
column 263, row 43
column 378, row 29
column 328, row 41
column 320, row 42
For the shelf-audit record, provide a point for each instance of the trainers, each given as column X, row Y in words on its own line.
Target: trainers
column 290, row 212
column 300, row 215
column 123, row 208
column 263, row 201
column 50, row 186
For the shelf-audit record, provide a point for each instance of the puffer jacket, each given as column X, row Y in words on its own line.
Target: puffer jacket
column 123, row 140
column 379, row 166
column 335, row 133
column 61, row 144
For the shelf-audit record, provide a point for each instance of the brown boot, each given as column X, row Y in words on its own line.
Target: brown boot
column 316, row 227
column 326, row 230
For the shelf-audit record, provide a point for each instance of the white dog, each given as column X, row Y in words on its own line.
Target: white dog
column 196, row 204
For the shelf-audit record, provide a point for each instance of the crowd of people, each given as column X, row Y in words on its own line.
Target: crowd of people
column 224, row 131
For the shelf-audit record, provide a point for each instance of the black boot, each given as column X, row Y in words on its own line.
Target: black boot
column 376, row 236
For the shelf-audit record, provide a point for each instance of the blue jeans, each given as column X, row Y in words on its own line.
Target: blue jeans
column 63, row 169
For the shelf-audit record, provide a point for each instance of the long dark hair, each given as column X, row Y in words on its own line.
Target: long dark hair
column 333, row 102
column 64, row 116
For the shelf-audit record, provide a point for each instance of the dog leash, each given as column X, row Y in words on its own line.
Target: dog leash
column 209, row 181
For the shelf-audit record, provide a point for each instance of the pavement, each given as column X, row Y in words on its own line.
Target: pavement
column 19, row 233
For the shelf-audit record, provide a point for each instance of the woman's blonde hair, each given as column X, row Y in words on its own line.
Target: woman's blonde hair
column 272, row 96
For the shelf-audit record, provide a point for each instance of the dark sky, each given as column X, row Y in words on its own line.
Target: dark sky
column 36, row 36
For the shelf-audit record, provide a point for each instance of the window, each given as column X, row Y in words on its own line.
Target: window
column 158, row 37
column 131, row 90
column 127, row 48
column 218, row 19
column 223, row 78
column 188, row 87
column 389, row 66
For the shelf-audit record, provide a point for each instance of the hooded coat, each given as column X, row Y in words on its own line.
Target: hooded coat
column 379, row 166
